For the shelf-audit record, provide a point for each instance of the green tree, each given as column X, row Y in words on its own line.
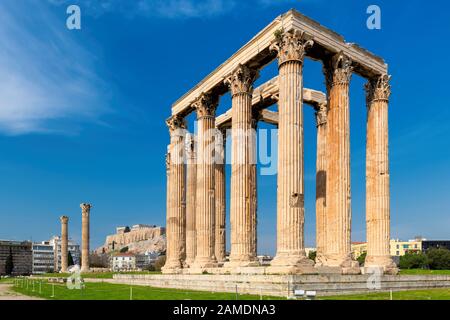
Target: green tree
column 438, row 259
column 160, row 262
column 362, row 258
column 9, row 264
column 124, row 249
column 312, row 255
column 414, row 260
column 70, row 260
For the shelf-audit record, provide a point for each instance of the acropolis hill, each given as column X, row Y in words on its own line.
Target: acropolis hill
column 139, row 239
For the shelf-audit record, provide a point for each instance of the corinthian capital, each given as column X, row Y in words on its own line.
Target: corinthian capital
column 64, row 219
column 241, row 80
column 321, row 114
column 378, row 89
column 291, row 45
column 206, row 105
column 175, row 123
column 85, row 208
column 338, row 70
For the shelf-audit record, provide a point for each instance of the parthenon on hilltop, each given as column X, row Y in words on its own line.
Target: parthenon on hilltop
column 196, row 196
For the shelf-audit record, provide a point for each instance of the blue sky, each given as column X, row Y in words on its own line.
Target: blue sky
column 82, row 112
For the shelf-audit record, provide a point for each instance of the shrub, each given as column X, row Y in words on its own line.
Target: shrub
column 362, row 258
column 312, row 255
column 414, row 260
column 160, row 263
column 438, row 259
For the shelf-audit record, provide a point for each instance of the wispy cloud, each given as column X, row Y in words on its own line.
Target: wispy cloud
column 172, row 9
column 48, row 82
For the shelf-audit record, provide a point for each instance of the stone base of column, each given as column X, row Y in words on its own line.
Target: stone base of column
column 241, row 261
column 189, row 263
column 85, row 270
column 166, row 270
column 337, row 264
column 203, row 263
column 172, row 267
column 384, row 263
column 291, row 264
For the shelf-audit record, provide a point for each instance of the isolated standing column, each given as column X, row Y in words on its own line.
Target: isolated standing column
column 321, row 182
column 85, row 237
column 220, row 194
column 205, row 197
column 191, row 187
column 176, row 213
column 377, row 176
column 338, row 72
column 243, row 180
column 64, row 243
column 290, row 257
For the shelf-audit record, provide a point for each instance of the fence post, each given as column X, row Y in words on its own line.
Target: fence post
column 32, row 283
column 40, row 287
column 237, row 297
column 53, row 291
column 131, row 293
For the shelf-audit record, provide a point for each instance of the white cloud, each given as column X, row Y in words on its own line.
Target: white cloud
column 46, row 77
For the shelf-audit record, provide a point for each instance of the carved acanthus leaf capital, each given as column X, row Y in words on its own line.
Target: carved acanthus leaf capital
column 175, row 123
column 291, row 45
column 85, row 208
column 64, row 219
column 321, row 114
column 206, row 105
column 338, row 70
column 378, row 89
column 241, row 80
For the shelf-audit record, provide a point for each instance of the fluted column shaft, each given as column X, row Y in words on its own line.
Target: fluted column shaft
column 377, row 176
column 243, row 179
column 64, row 243
column 176, row 213
column 205, row 197
column 290, row 192
column 191, row 187
column 338, row 247
column 321, row 182
column 85, row 237
column 220, row 195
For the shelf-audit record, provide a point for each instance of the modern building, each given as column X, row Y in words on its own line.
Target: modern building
column 398, row 247
column 21, row 254
column 43, row 257
column 123, row 262
column 73, row 248
column 438, row 244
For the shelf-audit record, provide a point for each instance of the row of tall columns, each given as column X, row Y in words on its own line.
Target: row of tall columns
column 85, row 238
column 200, row 227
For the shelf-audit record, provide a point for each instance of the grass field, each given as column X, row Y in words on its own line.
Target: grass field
column 108, row 291
column 93, row 275
column 433, row 294
column 424, row 272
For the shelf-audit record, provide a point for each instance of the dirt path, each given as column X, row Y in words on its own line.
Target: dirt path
column 6, row 293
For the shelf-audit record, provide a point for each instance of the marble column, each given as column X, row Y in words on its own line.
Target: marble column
column 377, row 176
column 338, row 71
column 85, row 236
column 321, row 182
column 205, row 106
column 290, row 256
column 64, row 243
column 220, row 193
column 191, row 187
column 243, row 160
column 176, row 214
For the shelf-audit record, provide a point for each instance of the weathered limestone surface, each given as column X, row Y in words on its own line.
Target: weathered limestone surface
column 290, row 257
column 64, row 243
column 377, row 176
column 191, row 187
column 85, row 237
column 176, row 214
column 243, row 178
column 338, row 72
column 220, row 195
column 205, row 106
column 321, row 181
